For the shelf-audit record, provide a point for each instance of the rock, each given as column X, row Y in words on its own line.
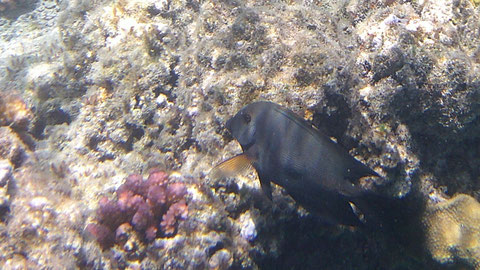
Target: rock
column 6, row 177
column 12, row 147
column 5, row 172
column 222, row 259
column 247, row 227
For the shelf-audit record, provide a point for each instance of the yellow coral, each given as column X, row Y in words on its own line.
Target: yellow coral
column 453, row 230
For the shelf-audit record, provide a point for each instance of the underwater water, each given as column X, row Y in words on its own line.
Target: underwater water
column 113, row 114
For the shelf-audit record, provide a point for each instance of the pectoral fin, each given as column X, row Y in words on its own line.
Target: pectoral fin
column 231, row 166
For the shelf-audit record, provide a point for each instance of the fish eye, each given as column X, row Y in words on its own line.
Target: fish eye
column 247, row 118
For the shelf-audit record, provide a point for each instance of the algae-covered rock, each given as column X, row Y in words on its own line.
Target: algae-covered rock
column 453, row 230
column 12, row 147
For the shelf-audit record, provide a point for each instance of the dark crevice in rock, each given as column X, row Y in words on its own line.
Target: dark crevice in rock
column 93, row 142
column 106, row 156
column 332, row 118
column 173, row 80
column 37, row 128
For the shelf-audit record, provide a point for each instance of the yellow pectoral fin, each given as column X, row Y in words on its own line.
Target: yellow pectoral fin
column 231, row 166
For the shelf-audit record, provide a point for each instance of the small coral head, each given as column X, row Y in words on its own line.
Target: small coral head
column 151, row 233
column 109, row 213
column 124, row 200
column 157, row 178
column 102, row 233
column 178, row 210
column 156, row 196
column 133, row 183
column 176, row 191
column 143, row 217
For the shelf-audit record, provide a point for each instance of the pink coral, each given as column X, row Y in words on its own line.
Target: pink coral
column 149, row 207
column 134, row 183
column 176, row 191
column 175, row 212
column 102, row 233
column 151, row 233
column 157, row 177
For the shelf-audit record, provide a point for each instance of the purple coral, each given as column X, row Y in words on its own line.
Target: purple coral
column 149, row 207
column 169, row 220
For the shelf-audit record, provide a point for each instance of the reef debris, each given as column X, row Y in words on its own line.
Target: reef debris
column 150, row 207
column 453, row 230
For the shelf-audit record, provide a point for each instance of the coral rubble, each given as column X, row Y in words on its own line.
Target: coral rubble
column 151, row 208
column 453, row 230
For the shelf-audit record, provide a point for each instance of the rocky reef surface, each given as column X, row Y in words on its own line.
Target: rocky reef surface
column 94, row 91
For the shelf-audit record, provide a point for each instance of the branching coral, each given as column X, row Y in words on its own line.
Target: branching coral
column 149, row 207
column 453, row 230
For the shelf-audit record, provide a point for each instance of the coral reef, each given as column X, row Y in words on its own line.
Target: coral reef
column 453, row 230
column 151, row 208
column 40, row 202
column 99, row 89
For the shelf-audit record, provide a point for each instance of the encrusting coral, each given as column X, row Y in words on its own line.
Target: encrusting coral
column 453, row 230
column 150, row 207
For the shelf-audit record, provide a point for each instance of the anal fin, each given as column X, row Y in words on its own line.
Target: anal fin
column 265, row 184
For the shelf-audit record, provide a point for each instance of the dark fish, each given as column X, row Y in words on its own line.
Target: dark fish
column 318, row 173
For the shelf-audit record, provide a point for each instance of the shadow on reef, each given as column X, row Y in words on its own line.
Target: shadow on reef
column 307, row 243
column 287, row 239
column 332, row 119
